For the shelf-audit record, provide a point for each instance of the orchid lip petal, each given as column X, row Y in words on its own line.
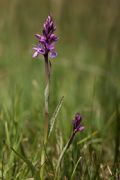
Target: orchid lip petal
column 38, row 36
column 81, row 128
column 35, row 54
column 53, row 54
column 41, row 51
column 35, row 48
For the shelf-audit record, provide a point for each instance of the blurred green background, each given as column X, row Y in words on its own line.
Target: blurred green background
column 88, row 47
column 86, row 71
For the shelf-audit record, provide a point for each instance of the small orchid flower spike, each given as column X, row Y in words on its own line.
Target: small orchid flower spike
column 77, row 127
column 77, row 123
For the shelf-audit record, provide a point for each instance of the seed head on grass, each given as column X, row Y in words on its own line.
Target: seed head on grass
column 46, row 44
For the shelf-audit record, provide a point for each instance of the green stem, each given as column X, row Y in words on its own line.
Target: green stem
column 47, row 87
column 70, row 139
column 46, row 125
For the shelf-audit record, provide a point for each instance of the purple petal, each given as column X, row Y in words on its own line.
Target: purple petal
column 53, row 38
column 42, row 39
column 81, row 128
column 38, row 36
column 35, row 48
column 50, row 47
column 35, row 54
column 41, row 51
column 78, row 117
column 53, row 54
column 38, row 50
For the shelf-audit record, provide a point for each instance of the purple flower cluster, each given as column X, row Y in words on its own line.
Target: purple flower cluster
column 77, row 123
column 47, row 40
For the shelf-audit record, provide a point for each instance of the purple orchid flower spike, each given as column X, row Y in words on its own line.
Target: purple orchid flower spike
column 46, row 45
column 77, row 123
column 77, row 127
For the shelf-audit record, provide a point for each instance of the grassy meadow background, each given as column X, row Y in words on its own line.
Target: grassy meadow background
column 86, row 72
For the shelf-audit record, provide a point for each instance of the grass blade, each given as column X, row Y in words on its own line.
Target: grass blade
column 60, row 158
column 87, row 138
column 35, row 173
column 73, row 173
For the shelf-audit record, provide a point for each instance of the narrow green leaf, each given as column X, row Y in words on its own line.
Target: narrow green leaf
column 73, row 173
column 7, row 133
column 54, row 117
column 87, row 138
column 60, row 158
